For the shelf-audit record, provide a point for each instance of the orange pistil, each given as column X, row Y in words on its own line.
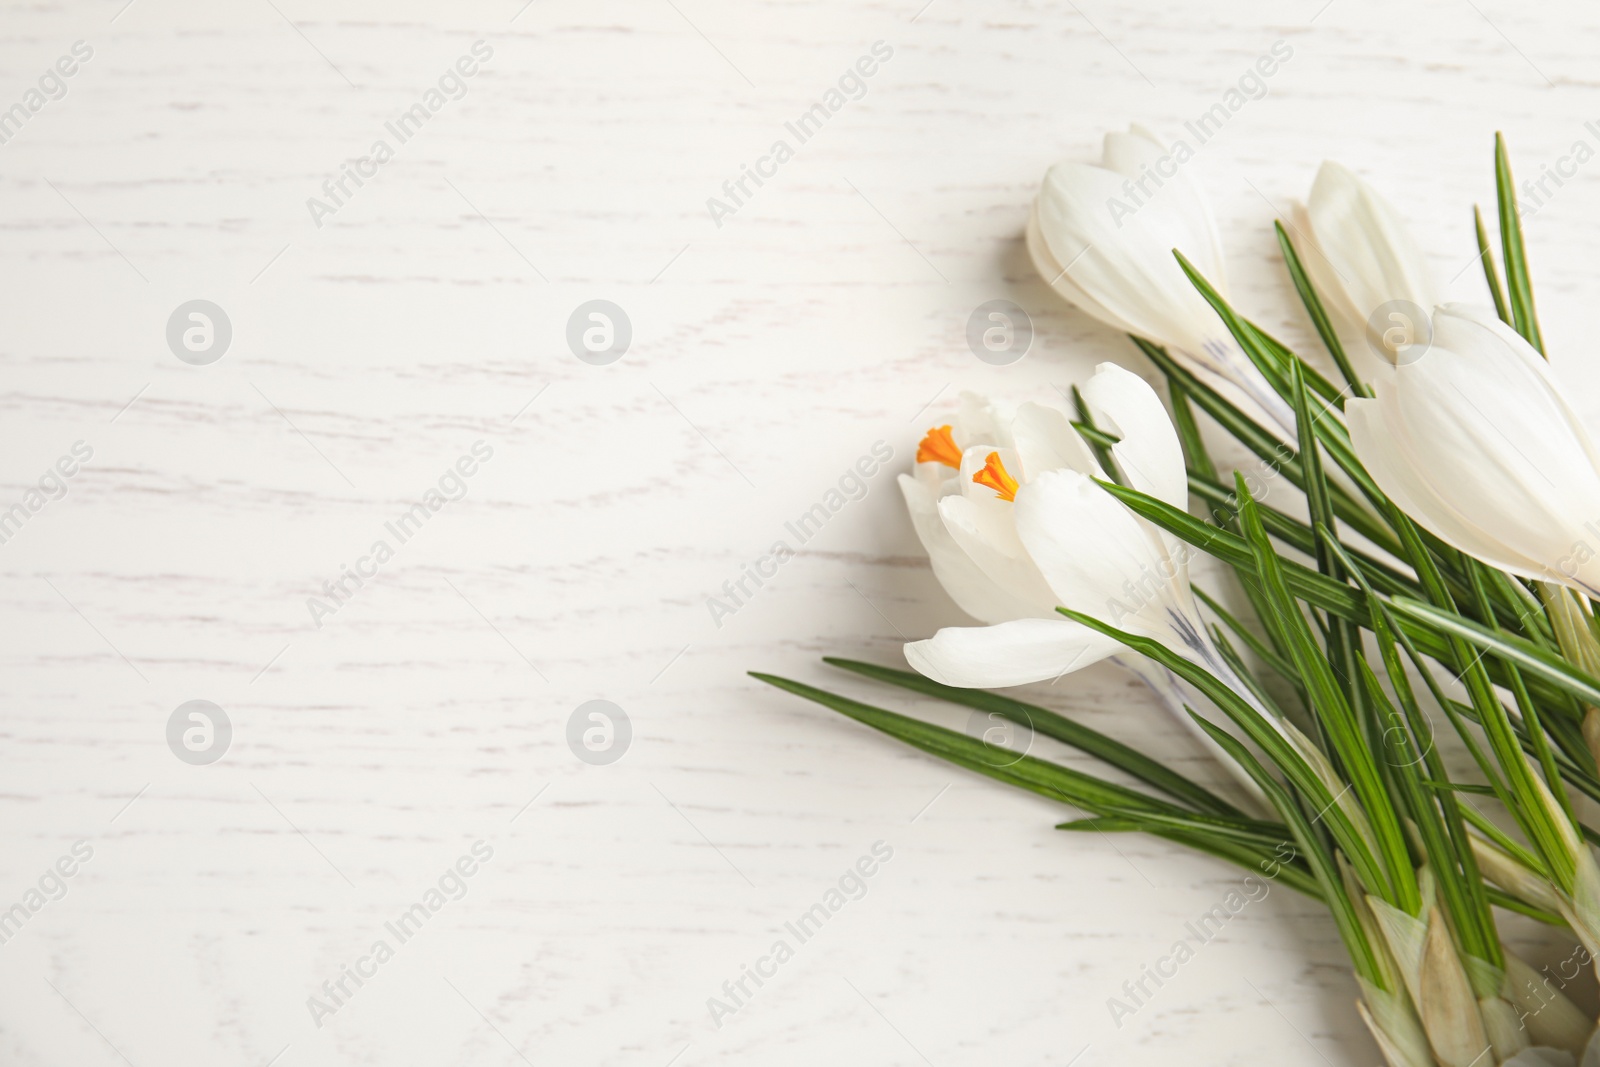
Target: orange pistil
column 939, row 447
column 996, row 477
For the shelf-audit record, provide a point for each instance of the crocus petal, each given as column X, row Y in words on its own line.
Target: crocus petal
column 1106, row 246
column 972, row 590
column 987, row 532
column 1552, row 1020
column 1098, row 557
column 1470, row 328
column 1133, row 155
column 1477, row 436
column 979, row 422
column 1046, row 441
column 1058, row 276
column 1360, row 256
column 1364, row 255
column 1012, row 653
column 1149, row 452
column 1414, row 493
column 1121, row 269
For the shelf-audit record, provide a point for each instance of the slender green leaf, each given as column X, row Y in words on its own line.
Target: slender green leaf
column 1211, row 834
column 1518, row 283
column 1265, row 734
column 1330, row 431
column 1501, row 899
column 1027, row 772
column 1274, row 454
column 1513, row 649
column 1292, row 873
column 1322, row 864
column 1222, row 505
column 1319, row 314
column 1237, row 665
column 1100, row 444
column 1282, row 356
column 1281, row 666
column 1195, row 455
column 1490, row 273
column 1338, row 720
column 1059, row 727
column 1410, row 748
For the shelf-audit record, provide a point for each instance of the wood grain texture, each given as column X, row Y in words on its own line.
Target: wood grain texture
column 768, row 354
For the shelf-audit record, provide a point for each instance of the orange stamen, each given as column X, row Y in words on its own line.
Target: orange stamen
column 939, row 447
column 996, row 477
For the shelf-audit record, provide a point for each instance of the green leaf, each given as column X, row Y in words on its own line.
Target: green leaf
column 1027, row 772
column 1281, row 666
column 1338, row 720
column 1051, row 724
column 1490, row 274
column 1511, row 648
column 1523, row 316
column 1214, row 835
column 1316, row 488
column 1465, row 899
column 1461, row 787
column 1528, row 808
column 1237, row 665
column 1319, row 315
column 1274, row 454
column 1195, row 455
column 1330, row 432
column 1263, row 733
column 1249, row 433
column 1501, row 899
column 1222, row 506
column 1322, row 864
column 1292, row 873
column 1533, row 730
column 1503, row 841
column 1282, row 356
column 1314, row 588
column 1099, row 443
column 1258, row 834
column 1231, row 549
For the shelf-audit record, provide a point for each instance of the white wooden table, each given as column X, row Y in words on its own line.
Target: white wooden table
column 429, row 711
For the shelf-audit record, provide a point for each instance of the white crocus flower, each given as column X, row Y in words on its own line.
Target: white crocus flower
column 1475, row 440
column 1373, row 279
column 983, row 492
column 1103, row 237
column 1015, row 525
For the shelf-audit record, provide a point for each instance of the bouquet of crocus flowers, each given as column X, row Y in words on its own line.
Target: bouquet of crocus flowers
column 1434, row 562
